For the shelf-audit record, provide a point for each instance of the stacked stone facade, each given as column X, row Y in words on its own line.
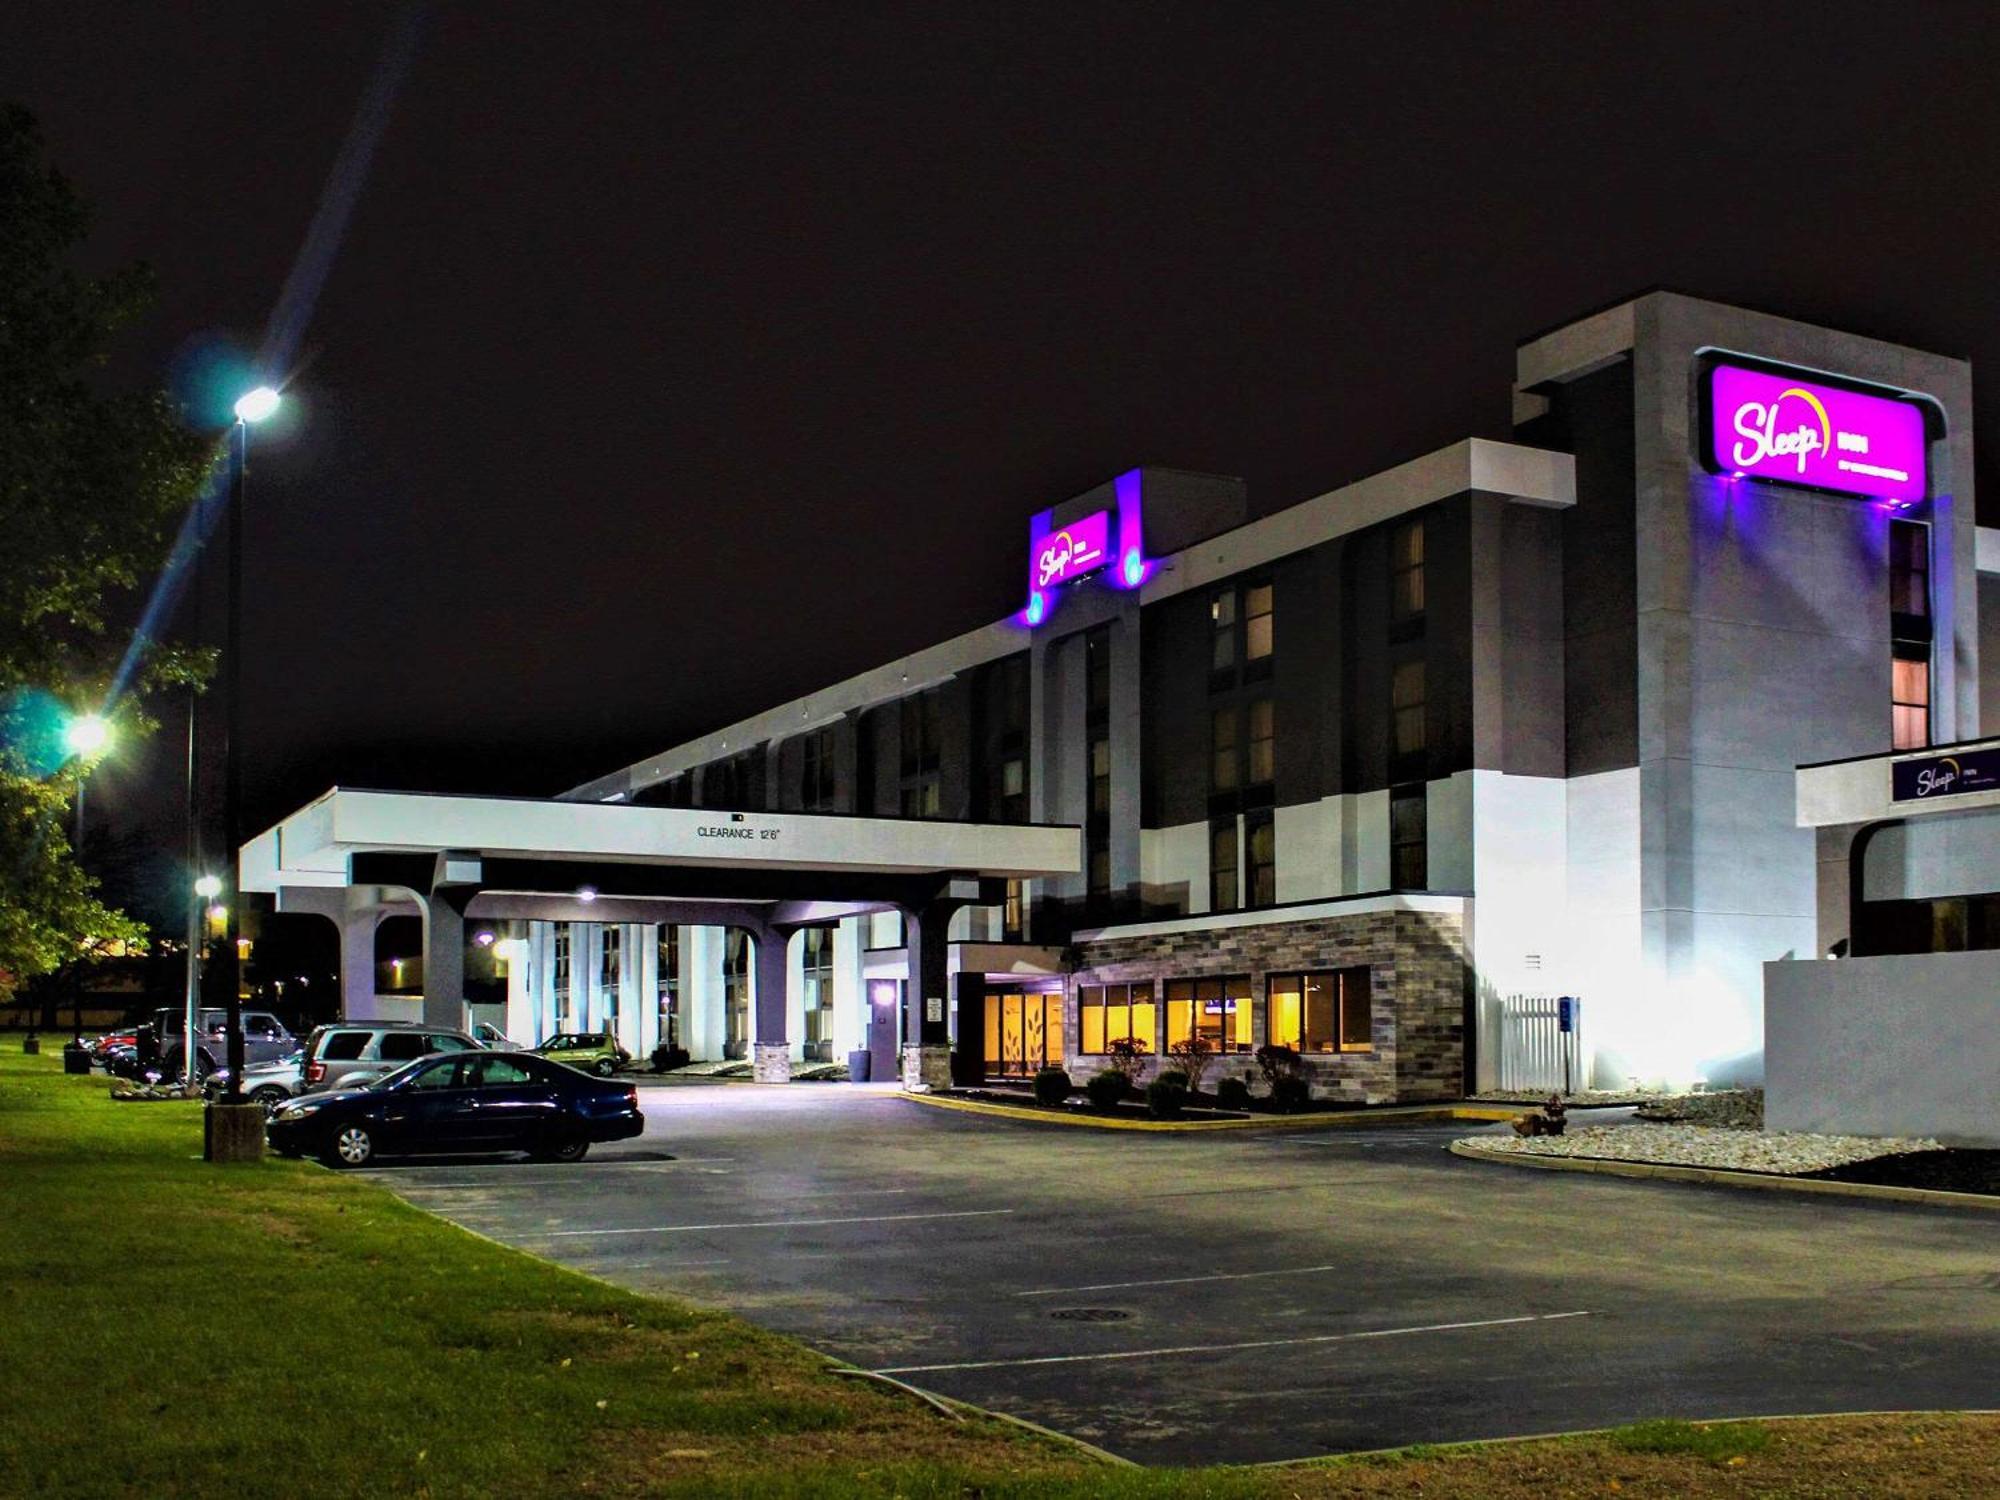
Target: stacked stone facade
column 1417, row 974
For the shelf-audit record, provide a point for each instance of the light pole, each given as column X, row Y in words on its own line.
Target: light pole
column 206, row 890
column 84, row 737
column 251, row 408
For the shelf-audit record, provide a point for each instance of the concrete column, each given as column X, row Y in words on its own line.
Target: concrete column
column 769, row 998
column 520, row 1023
column 633, row 998
column 701, row 994
column 357, row 964
column 648, row 981
column 927, row 1028
column 850, row 993
column 453, row 886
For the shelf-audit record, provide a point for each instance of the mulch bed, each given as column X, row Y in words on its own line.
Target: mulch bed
column 1951, row 1171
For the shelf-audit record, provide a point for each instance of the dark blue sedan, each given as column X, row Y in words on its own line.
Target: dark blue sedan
column 461, row 1102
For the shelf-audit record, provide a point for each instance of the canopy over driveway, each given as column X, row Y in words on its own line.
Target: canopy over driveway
column 355, row 855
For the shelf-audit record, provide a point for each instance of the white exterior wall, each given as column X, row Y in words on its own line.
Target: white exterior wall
column 1603, row 963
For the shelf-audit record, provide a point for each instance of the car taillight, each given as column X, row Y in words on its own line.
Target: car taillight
column 632, row 1096
column 315, row 1072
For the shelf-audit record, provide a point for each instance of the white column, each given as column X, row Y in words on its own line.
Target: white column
column 795, row 994
column 520, row 1022
column 850, row 995
column 701, row 996
column 632, row 970
column 648, row 968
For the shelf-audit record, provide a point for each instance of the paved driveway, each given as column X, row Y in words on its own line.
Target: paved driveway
column 1244, row 1297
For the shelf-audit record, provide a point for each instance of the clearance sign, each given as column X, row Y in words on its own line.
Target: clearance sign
column 1772, row 424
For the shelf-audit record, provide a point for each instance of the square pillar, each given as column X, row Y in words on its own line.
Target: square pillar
column 770, row 1052
column 927, row 1025
column 454, row 882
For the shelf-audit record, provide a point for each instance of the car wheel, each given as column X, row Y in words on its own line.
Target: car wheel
column 268, row 1094
column 349, row 1146
column 604, row 1067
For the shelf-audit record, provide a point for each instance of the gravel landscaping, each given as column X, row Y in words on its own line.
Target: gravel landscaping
column 1786, row 1154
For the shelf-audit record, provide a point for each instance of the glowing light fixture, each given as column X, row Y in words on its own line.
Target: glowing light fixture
column 484, row 939
column 253, row 407
column 586, row 894
column 208, row 887
column 86, row 734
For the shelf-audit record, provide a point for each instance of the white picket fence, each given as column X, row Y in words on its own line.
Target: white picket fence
column 1535, row 1051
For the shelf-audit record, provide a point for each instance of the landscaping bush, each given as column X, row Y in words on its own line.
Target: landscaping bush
column 1107, row 1088
column 1289, row 1093
column 1126, row 1054
column 666, row 1059
column 1192, row 1054
column 1232, row 1093
column 1052, row 1086
column 1166, row 1096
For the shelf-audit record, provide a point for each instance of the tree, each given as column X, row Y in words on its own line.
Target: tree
column 92, row 483
column 1192, row 1054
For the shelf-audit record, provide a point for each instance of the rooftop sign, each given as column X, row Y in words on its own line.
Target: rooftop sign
column 1945, row 775
column 1081, row 547
column 1771, row 424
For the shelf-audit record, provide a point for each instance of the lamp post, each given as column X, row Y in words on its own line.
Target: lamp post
column 251, row 408
column 206, row 890
column 84, row 737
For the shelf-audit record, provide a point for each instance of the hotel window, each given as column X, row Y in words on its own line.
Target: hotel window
column 608, row 969
column 1222, row 631
column 1108, row 1013
column 1408, row 834
column 816, row 971
column 1406, row 712
column 1218, row 1009
column 1406, row 574
column 1910, row 696
column 922, row 734
column 736, row 991
column 1260, row 840
column 1014, row 911
column 816, row 773
column 1097, row 724
column 1263, row 742
column 559, row 969
column 668, row 998
column 1004, row 716
column 1257, row 623
column 1222, row 865
column 1222, row 749
column 1911, row 632
column 1331, row 1011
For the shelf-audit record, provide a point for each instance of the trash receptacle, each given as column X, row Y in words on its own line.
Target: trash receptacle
column 857, row 1066
column 31, row 1043
column 76, row 1059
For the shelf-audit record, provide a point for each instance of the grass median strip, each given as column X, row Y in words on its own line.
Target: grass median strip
column 171, row 1328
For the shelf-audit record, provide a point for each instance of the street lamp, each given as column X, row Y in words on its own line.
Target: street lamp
column 252, row 407
column 84, row 737
column 206, row 889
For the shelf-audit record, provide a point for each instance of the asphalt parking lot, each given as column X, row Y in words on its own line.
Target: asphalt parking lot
column 1245, row 1296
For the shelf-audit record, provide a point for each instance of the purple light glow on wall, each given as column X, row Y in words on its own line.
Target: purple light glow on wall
column 1775, row 426
column 1071, row 551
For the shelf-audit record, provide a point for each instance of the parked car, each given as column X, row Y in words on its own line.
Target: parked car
column 366, row 1050
column 265, row 1038
column 272, row 1083
column 493, row 1038
column 590, row 1051
column 98, row 1046
column 460, row 1102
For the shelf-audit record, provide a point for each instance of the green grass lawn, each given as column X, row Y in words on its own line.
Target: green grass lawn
column 168, row 1327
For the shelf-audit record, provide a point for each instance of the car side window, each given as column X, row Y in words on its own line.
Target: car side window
column 450, row 1044
column 500, row 1073
column 443, row 1075
column 401, row 1046
column 344, row 1046
column 260, row 1026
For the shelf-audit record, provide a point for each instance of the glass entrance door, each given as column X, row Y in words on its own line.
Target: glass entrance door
column 1023, row 1033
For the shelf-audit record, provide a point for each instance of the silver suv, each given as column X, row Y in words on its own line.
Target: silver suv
column 350, row 1053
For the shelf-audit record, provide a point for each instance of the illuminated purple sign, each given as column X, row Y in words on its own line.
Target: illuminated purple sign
column 1076, row 549
column 1765, row 424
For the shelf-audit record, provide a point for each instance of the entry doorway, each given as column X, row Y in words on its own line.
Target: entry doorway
column 1023, row 1032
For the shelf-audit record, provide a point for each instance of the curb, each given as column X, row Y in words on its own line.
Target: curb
column 1729, row 1177
column 1420, row 1114
column 1333, row 1459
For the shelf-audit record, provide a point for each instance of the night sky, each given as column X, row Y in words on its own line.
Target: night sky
column 682, row 358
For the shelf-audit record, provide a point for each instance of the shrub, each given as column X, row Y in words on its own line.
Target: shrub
column 1289, row 1093
column 1174, row 1076
column 1052, row 1086
column 666, row 1059
column 1193, row 1053
column 1107, row 1088
column 1278, row 1062
column 1126, row 1054
column 1167, row 1095
column 1232, row 1093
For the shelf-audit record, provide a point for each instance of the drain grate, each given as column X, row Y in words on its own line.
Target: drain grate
column 1090, row 1315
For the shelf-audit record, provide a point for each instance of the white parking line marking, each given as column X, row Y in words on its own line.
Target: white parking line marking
column 969, row 1213
column 1115, row 1286
column 1323, row 1338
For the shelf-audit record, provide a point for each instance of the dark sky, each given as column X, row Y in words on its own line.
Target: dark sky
column 682, row 358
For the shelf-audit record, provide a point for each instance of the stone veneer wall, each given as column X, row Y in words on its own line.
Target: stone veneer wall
column 1417, row 972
